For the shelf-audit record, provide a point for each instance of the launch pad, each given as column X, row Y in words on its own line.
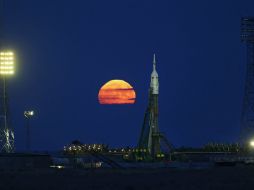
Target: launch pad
column 150, row 142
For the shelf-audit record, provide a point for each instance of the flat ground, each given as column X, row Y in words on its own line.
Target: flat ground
column 232, row 178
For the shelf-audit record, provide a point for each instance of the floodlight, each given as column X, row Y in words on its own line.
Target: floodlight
column 6, row 63
column 28, row 114
column 252, row 143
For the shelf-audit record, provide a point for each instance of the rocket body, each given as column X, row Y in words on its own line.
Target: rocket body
column 150, row 134
column 154, row 138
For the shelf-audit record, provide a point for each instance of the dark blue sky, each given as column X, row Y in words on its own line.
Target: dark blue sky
column 66, row 50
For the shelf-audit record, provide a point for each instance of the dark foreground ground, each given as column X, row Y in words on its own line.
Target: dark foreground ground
column 232, row 178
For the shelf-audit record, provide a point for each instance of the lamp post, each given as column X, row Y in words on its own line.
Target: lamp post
column 6, row 131
column 28, row 115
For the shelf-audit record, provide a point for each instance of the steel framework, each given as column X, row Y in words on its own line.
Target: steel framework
column 247, row 118
column 150, row 135
column 6, row 131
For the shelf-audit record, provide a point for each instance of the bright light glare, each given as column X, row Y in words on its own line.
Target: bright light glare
column 58, row 167
column 6, row 63
column 28, row 114
column 252, row 143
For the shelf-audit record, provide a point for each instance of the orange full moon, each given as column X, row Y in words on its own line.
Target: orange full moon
column 117, row 92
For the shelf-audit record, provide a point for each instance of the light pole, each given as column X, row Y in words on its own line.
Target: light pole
column 6, row 131
column 28, row 115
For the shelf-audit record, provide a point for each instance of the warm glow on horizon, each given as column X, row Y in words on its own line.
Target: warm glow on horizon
column 117, row 92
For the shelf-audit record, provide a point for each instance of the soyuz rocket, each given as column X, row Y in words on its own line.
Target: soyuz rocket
column 154, row 134
column 150, row 134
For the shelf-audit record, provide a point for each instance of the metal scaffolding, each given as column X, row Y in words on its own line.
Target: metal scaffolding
column 6, row 131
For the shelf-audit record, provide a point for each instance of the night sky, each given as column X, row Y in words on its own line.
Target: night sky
column 66, row 50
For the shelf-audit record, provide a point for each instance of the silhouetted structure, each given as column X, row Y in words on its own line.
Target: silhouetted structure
column 247, row 119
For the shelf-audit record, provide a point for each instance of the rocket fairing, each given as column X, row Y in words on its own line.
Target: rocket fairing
column 154, row 85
